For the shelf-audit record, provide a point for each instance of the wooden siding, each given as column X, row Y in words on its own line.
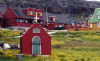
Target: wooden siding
column 23, row 24
column 9, row 22
column 95, row 27
column 10, row 14
column 26, row 41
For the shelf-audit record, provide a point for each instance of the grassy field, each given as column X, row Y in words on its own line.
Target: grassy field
column 9, row 36
column 66, row 46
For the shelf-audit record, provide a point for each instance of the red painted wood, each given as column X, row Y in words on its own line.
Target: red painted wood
column 10, row 14
column 10, row 22
column 87, row 24
column 51, row 26
column 10, row 17
column 23, row 24
column 26, row 41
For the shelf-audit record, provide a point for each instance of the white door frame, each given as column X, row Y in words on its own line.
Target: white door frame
column 40, row 44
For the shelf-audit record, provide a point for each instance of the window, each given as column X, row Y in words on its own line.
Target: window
column 17, row 20
column 29, row 13
column 39, row 13
column 36, row 30
column 22, row 20
column 98, row 24
column 33, row 13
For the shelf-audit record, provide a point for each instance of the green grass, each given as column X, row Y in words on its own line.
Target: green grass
column 82, row 36
column 8, row 36
column 66, row 46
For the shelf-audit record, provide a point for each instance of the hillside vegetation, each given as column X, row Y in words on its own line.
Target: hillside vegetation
column 66, row 46
column 9, row 36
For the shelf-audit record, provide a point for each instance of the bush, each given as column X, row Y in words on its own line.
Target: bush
column 11, row 53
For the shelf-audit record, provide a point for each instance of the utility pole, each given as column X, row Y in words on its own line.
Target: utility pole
column 46, row 15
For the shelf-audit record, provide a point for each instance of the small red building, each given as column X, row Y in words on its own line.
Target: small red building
column 36, row 41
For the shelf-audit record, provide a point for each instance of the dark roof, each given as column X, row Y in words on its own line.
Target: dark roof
column 21, row 14
column 58, row 16
column 70, row 21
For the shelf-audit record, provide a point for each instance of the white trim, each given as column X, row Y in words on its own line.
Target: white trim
column 90, row 25
column 36, row 30
column 40, row 44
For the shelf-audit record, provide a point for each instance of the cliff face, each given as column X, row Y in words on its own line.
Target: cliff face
column 74, row 8
column 58, row 6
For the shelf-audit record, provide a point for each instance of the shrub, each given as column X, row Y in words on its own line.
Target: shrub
column 11, row 53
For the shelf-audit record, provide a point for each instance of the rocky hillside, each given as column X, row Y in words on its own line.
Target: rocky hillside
column 72, row 8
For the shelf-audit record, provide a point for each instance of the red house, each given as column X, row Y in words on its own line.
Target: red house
column 36, row 41
column 22, row 17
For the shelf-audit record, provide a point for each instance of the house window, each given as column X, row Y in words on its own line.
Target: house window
column 22, row 21
column 98, row 24
column 36, row 30
column 29, row 13
column 39, row 13
column 17, row 20
column 33, row 13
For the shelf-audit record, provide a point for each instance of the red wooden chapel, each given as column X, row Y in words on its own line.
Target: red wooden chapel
column 36, row 41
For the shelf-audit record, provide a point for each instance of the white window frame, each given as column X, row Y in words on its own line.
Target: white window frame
column 36, row 30
column 29, row 13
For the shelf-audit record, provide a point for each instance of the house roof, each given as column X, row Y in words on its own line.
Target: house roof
column 70, row 21
column 60, row 17
column 94, row 17
column 1, row 16
column 21, row 14
column 35, row 25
